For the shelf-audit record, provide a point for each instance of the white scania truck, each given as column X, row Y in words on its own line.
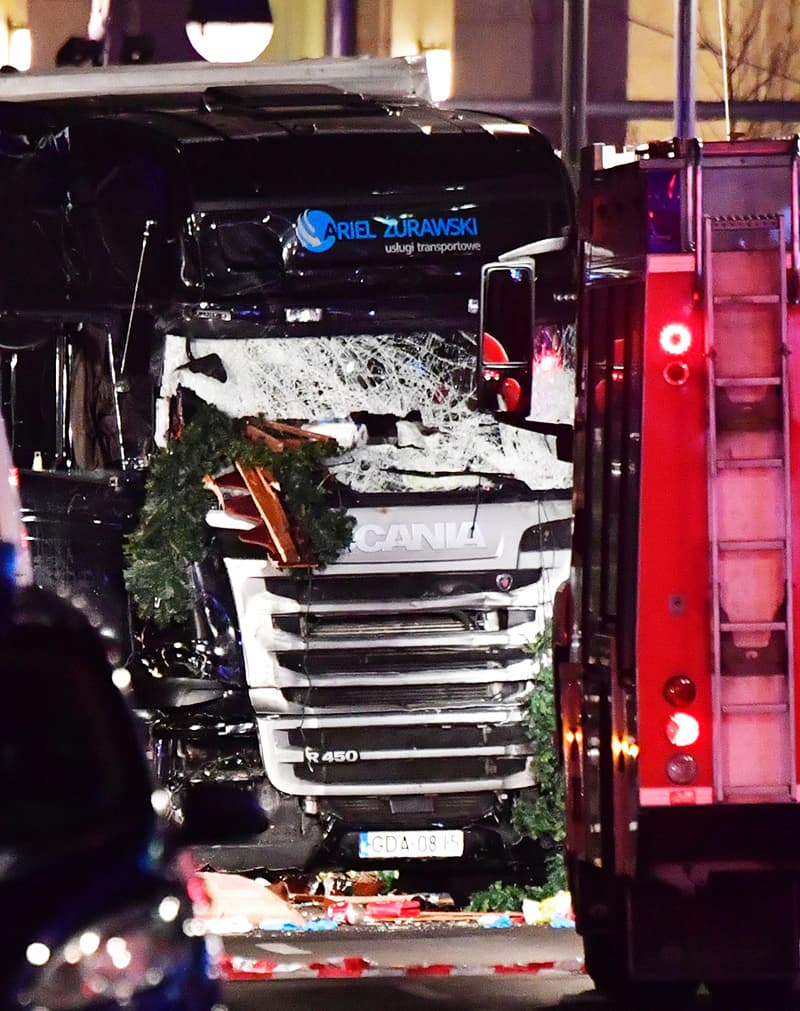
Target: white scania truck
column 273, row 244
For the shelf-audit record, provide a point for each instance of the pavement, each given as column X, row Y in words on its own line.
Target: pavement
column 402, row 950
column 265, row 932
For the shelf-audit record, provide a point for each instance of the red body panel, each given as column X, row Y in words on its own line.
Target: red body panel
column 673, row 593
column 793, row 365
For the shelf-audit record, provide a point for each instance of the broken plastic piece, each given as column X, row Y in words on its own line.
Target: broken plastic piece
column 394, row 909
column 322, row 923
column 496, row 920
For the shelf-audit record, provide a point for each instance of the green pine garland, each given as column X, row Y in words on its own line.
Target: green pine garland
column 172, row 533
column 543, row 817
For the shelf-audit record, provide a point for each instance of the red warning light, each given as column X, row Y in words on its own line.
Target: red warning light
column 682, row 730
column 682, row 768
column 676, row 373
column 675, row 338
column 547, row 362
column 680, row 690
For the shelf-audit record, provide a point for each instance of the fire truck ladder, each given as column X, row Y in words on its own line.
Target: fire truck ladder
column 749, row 509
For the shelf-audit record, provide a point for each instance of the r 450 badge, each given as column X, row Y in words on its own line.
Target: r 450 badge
column 314, row 756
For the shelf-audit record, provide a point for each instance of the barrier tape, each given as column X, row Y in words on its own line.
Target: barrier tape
column 236, row 968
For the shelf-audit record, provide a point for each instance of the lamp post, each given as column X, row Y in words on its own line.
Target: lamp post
column 229, row 31
column 573, row 80
column 685, row 41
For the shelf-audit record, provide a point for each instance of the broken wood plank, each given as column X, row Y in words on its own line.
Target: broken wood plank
column 258, row 435
column 301, row 434
column 231, row 480
column 243, row 507
column 211, row 485
column 259, row 537
column 259, row 484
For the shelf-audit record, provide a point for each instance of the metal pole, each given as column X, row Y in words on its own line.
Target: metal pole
column 340, row 22
column 575, row 53
column 685, row 38
column 61, row 400
column 531, row 109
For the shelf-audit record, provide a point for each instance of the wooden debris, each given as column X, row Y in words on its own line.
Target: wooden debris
column 260, row 483
column 290, row 437
column 211, row 485
column 252, row 493
column 258, row 435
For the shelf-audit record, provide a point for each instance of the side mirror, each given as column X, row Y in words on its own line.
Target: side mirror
column 505, row 348
column 526, row 363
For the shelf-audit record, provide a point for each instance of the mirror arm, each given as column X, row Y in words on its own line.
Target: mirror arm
column 531, row 250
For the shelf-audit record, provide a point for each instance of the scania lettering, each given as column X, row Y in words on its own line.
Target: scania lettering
column 413, row 537
column 675, row 639
column 175, row 247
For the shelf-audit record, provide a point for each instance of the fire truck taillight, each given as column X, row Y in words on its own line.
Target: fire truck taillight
column 675, row 338
column 682, row 769
column 682, row 730
column 676, row 373
column 680, row 690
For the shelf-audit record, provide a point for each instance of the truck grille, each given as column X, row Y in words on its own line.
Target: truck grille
column 362, row 689
column 428, row 772
column 433, row 586
column 424, row 736
column 344, row 627
column 425, row 660
column 389, row 759
column 378, row 812
column 395, row 696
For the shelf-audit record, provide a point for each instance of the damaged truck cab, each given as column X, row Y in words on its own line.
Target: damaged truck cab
column 309, row 255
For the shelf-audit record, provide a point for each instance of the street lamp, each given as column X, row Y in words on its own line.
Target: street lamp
column 19, row 47
column 229, row 31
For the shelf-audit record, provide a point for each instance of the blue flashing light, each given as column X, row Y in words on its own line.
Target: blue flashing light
column 664, row 211
column 8, row 564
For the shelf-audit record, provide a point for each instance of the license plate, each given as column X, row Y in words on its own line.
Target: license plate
column 410, row 845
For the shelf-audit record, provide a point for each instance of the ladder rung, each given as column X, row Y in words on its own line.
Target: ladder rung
column 757, row 791
column 723, row 222
column 766, row 462
column 753, row 626
column 749, row 381
column 752, row 545
column 742, row 709
column 763, row 298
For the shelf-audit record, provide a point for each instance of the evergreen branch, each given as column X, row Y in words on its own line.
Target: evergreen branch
column 172, row 532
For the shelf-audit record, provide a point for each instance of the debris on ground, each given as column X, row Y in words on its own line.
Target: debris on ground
column 496, row 920
column 238, row 899
column 555, row 911
column 236, row 904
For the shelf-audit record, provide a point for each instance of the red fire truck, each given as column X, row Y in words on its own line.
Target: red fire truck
column 675, row 637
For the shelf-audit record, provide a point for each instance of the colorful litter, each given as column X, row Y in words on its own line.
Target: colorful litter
column 232, row 904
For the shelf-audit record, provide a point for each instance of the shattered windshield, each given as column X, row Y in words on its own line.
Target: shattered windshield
column 400, row 404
